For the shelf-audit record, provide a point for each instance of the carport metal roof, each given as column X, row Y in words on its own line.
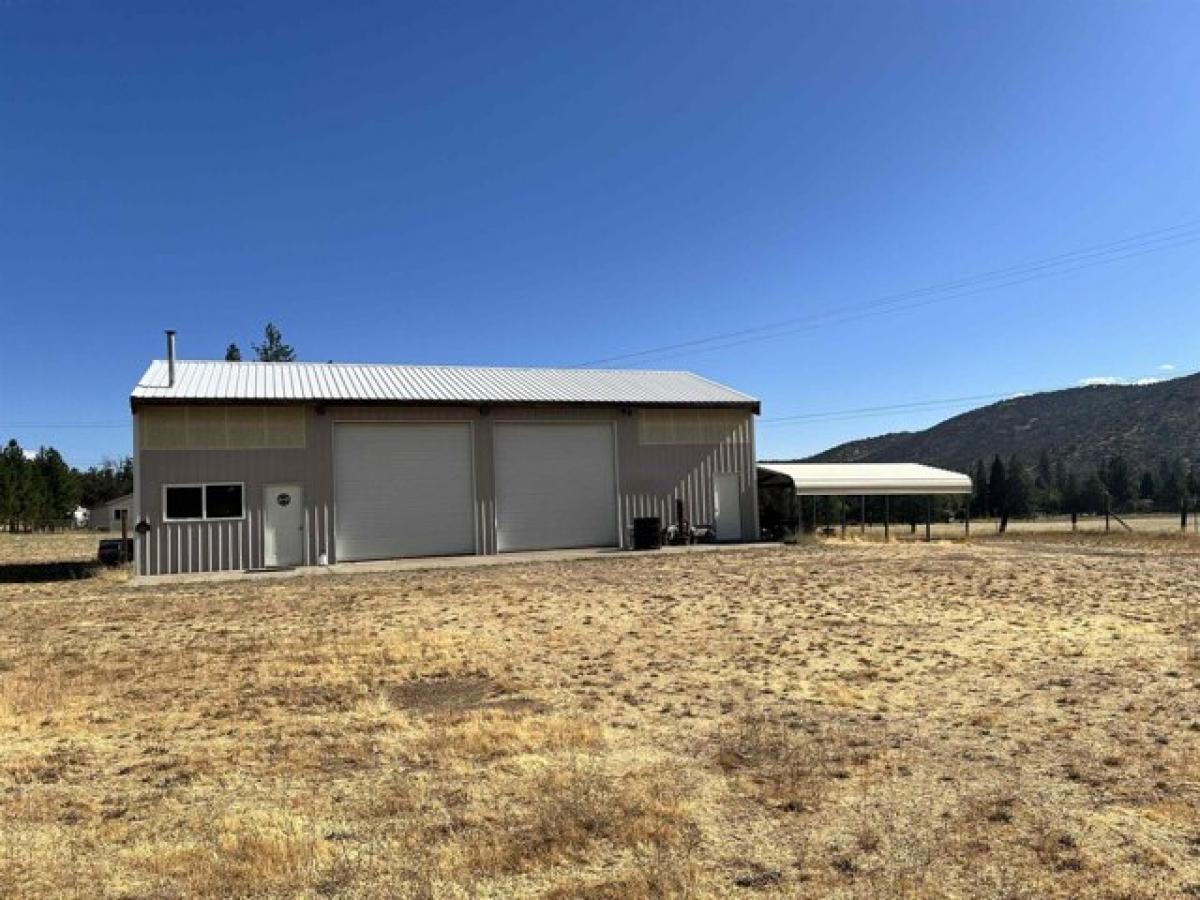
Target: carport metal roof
column 868, row 479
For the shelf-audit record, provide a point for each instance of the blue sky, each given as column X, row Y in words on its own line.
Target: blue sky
column 556, row 183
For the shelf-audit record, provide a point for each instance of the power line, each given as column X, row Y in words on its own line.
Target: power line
column 836, row 319
column 890, row 408
column 1151, row 241
column 866, row 412
column 33, row 425
column 1059, row 264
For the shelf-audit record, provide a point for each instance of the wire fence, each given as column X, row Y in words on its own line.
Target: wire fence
column 1142, row 523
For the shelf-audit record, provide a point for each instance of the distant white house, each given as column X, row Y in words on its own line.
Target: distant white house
column 107, row 516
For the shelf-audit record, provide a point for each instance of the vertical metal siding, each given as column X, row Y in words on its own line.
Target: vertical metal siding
column 135, row 508
column 655, row 476
column 650, row 478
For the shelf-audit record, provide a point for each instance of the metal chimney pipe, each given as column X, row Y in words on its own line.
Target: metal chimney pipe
column 170, row 357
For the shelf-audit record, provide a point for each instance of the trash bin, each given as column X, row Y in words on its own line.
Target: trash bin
column 647, row 533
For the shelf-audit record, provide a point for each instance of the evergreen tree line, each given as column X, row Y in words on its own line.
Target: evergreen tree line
column 41, row 492
column 1010, row 489
column 272, row 349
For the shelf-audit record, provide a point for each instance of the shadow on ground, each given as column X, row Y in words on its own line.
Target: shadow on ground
column 14, row 573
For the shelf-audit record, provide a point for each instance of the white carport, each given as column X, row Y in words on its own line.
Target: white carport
column 864, row 480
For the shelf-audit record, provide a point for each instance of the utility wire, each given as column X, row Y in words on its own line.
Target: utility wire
column 965, row 406
column 894, row 407
column 838, row 319
column 1059, row 264
column 1169, row 238
column 63, row 425
column 864, row 412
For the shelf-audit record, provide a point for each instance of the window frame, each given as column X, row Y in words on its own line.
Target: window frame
column 241, row 501
column 203, row 486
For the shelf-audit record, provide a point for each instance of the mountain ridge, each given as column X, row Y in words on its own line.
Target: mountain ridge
column 1082, row 426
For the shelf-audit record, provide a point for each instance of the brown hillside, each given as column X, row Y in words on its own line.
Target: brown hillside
column 1082, row 426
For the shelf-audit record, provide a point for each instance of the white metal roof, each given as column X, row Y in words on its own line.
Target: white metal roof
column 205, row 380
column 123, row 500
column 840, row 479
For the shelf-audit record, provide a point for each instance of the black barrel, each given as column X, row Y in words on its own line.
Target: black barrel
column 647, row 533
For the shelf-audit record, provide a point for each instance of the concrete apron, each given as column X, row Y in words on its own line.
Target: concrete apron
column 436, row 562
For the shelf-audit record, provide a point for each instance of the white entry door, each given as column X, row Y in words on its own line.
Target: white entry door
column 555, row 485
column 728, row 506
column 283, row 525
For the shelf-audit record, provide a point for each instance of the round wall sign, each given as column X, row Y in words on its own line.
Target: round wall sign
column 283, row 499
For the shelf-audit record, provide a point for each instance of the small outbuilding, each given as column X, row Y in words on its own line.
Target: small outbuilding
column 862, row 480
column 108, row 516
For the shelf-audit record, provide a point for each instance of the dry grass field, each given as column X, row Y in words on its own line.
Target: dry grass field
column 1006, row 718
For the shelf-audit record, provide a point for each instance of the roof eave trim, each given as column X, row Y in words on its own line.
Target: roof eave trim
column 135, row 401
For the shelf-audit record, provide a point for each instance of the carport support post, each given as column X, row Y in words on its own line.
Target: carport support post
column 887, row 517
column 967, row 519
column 928, row 517
column 842, row 502
column 862, row 515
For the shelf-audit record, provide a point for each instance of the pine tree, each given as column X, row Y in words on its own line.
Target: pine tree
column 57, row 488
column 1172, row 485
column 1093, row 495
column 16, row 486
column 233, row 353
column 1070, row 494
column 998, row 492
column 273, row 349
column 1045, row 472
column 8, row 481
column 112, row 478
column 1147, row 489
column 1119, row 481
column 1016, row 490
column 1046, row 493
column 1060, row 477
column 979, row 493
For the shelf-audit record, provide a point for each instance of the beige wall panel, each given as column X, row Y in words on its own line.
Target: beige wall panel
column 649, row 479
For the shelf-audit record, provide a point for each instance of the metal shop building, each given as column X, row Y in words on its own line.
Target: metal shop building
column 245, row 465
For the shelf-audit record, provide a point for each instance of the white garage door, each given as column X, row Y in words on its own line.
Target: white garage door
column 555, row 486
column 403, row 490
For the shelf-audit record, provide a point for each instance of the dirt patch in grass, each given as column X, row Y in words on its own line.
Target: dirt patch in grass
column 450, row 695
